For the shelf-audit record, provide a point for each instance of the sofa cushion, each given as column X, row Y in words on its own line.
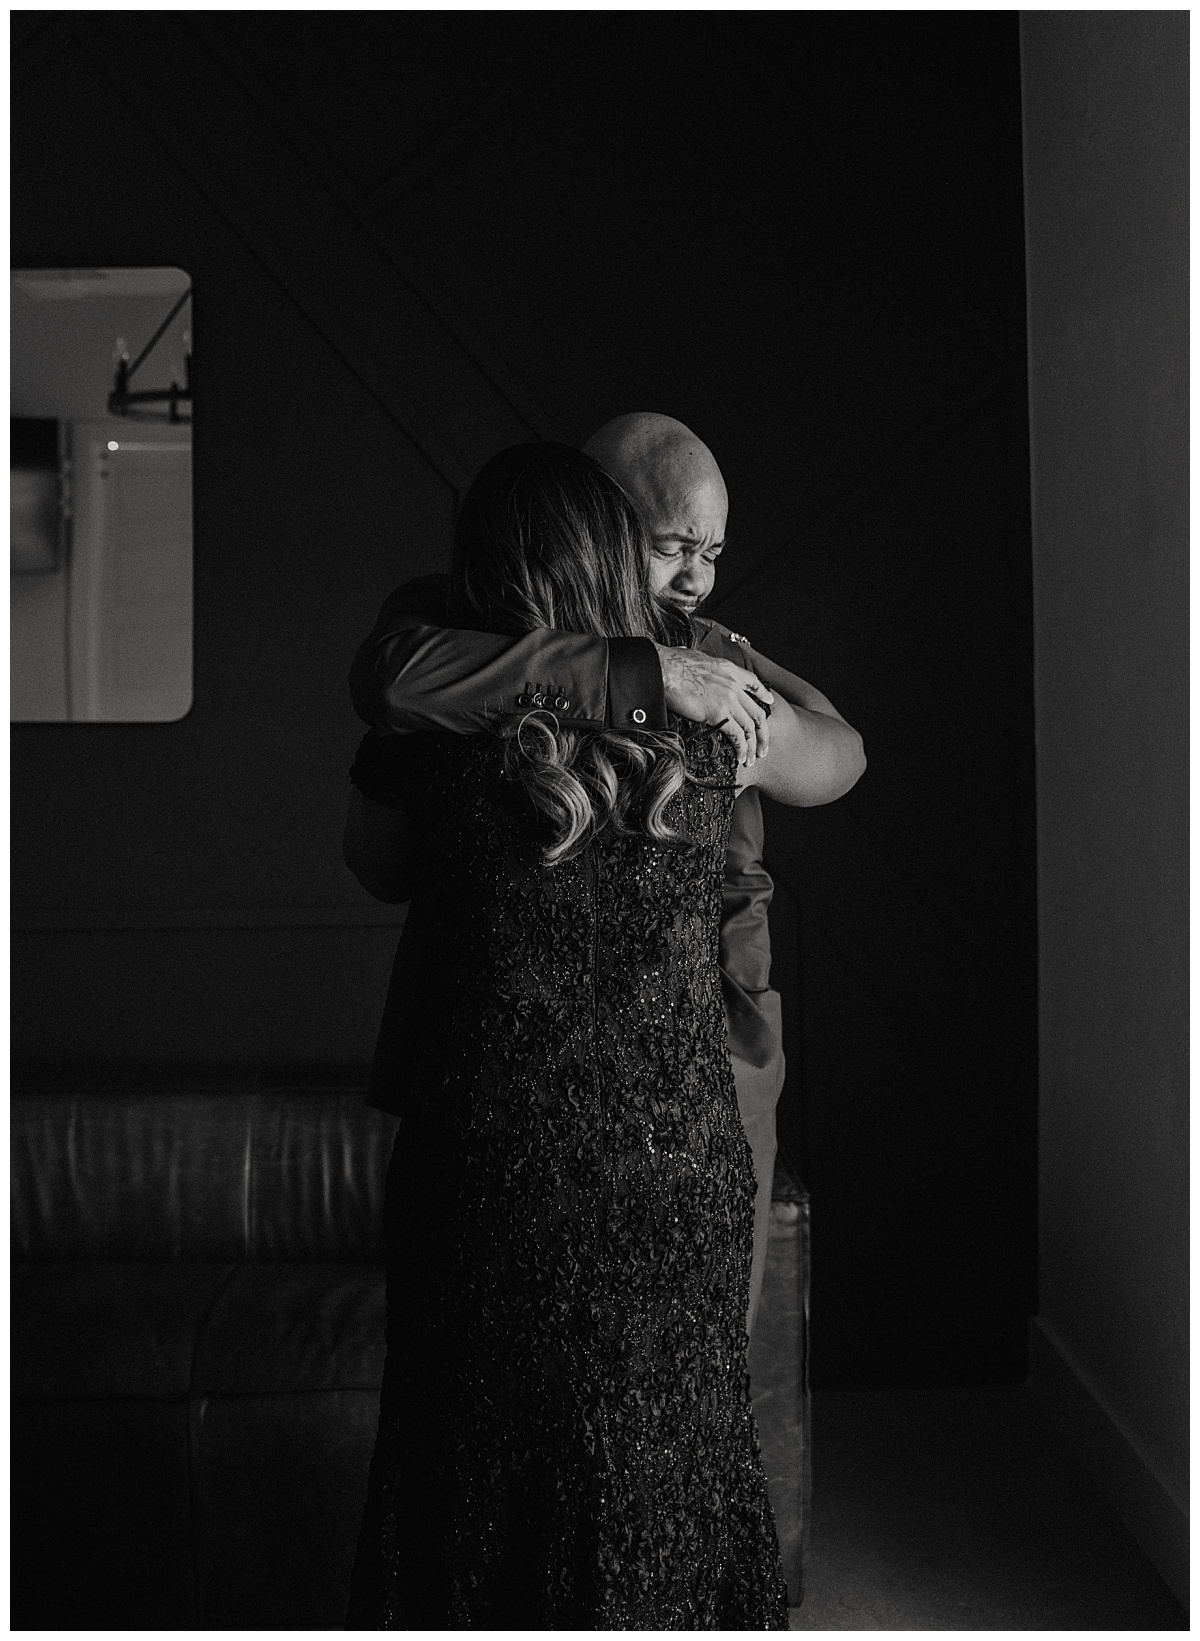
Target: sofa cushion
column 318, row 1172
column 293, row 1327
column 134, row 1173
column 95, row 1329
column 128, row 1176
column 156, row 1328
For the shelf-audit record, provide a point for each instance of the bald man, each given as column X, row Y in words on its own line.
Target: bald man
column 413, row 672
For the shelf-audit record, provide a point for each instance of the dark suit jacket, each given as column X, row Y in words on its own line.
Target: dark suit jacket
column 413, row 671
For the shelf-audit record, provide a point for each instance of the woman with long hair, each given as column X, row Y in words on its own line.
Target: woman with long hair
column 565, row 1437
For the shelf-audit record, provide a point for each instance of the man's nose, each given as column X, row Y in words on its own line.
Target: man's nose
column 689, row 575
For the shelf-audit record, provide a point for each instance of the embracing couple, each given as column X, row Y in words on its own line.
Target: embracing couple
column 580, row 1039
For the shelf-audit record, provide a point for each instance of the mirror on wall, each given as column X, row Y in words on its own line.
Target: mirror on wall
column 101, row 495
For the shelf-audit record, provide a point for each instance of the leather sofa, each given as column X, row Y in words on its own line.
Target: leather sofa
column 197, row 1348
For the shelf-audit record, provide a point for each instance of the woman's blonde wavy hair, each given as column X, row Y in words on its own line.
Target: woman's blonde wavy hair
column 546, row 538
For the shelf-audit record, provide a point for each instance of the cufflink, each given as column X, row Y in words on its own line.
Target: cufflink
column 638, row 716
column 739, row 638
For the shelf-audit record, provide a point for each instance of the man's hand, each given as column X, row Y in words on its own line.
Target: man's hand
column 711, row 691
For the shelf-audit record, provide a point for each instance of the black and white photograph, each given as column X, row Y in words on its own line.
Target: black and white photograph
column 599, row 679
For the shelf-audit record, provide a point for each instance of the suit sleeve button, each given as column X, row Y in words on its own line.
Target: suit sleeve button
column 638, row 716
column 539, row 700
column 561, row 702
column 524, row 701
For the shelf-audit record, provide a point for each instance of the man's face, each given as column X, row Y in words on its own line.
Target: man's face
column 687, row 532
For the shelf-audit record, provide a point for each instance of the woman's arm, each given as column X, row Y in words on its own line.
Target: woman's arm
column 377, row 847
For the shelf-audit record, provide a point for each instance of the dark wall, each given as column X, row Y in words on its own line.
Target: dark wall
column 1106, row 112
column 417, row 237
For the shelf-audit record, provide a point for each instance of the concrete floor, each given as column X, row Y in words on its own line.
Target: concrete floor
column 964, row 1510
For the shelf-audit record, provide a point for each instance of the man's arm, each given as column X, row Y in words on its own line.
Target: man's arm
column 413, row 672
column 816, row 756
column 822, row 756
column 791, row 687
column 376, row 846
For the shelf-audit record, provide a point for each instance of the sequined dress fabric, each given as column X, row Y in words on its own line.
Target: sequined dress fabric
column 566, row 1437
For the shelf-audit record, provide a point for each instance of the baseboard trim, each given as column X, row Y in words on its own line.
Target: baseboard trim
column 1152, row 1515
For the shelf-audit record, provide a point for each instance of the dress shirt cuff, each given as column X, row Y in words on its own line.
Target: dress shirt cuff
column 635, row 686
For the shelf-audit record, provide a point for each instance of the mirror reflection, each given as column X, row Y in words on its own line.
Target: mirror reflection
column 101, row 495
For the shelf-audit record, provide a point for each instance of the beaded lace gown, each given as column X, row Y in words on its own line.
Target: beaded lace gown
column 566, row 1438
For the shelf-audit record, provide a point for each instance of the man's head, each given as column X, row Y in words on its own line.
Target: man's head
column 672, row 476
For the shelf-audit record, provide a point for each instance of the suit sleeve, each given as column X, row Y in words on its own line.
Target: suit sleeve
column 415, row 673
